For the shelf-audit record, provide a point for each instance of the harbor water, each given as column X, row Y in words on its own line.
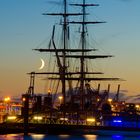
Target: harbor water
column 65, row 137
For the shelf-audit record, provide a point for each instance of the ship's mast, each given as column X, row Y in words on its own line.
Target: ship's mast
column 64, row 52
column 83, row 47
column 82, row 60
column 62, row 64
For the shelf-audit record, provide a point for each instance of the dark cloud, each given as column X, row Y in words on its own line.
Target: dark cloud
column 122, row 95
column 133, row 98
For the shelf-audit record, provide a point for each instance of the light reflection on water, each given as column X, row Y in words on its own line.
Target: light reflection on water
column 64, row 137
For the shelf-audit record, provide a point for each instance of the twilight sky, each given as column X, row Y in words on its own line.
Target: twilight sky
column 23, row 28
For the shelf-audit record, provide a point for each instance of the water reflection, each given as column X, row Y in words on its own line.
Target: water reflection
column 117, row 137
column 64, row 137
column 90, row 137
column 11, row 137
column 37, row 137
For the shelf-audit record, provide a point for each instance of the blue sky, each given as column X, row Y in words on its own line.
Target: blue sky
column 22, row 28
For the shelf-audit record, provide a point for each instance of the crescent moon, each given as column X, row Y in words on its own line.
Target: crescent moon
column 42, row 64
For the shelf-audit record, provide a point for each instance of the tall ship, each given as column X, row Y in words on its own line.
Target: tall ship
column 73, row 103
column 71, row 71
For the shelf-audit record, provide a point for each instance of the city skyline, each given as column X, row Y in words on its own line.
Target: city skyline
column 23, row 28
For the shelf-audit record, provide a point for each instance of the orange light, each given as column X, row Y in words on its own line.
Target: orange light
column 60, row 97
column 17, row 105
column 110, row 100
column 23, row 99
column 137, row 106
column 49, row 91
column 7, row 99
column 11, row 117
column 91, row 119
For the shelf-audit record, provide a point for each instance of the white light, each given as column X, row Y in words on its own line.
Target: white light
column 64, row 119
column 137, row 106
column 60, row 98
column 119, row 121
column 38, row 117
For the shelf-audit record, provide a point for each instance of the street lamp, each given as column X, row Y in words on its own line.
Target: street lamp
column 109, row 100
column 6, row 101
column 60, row 99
